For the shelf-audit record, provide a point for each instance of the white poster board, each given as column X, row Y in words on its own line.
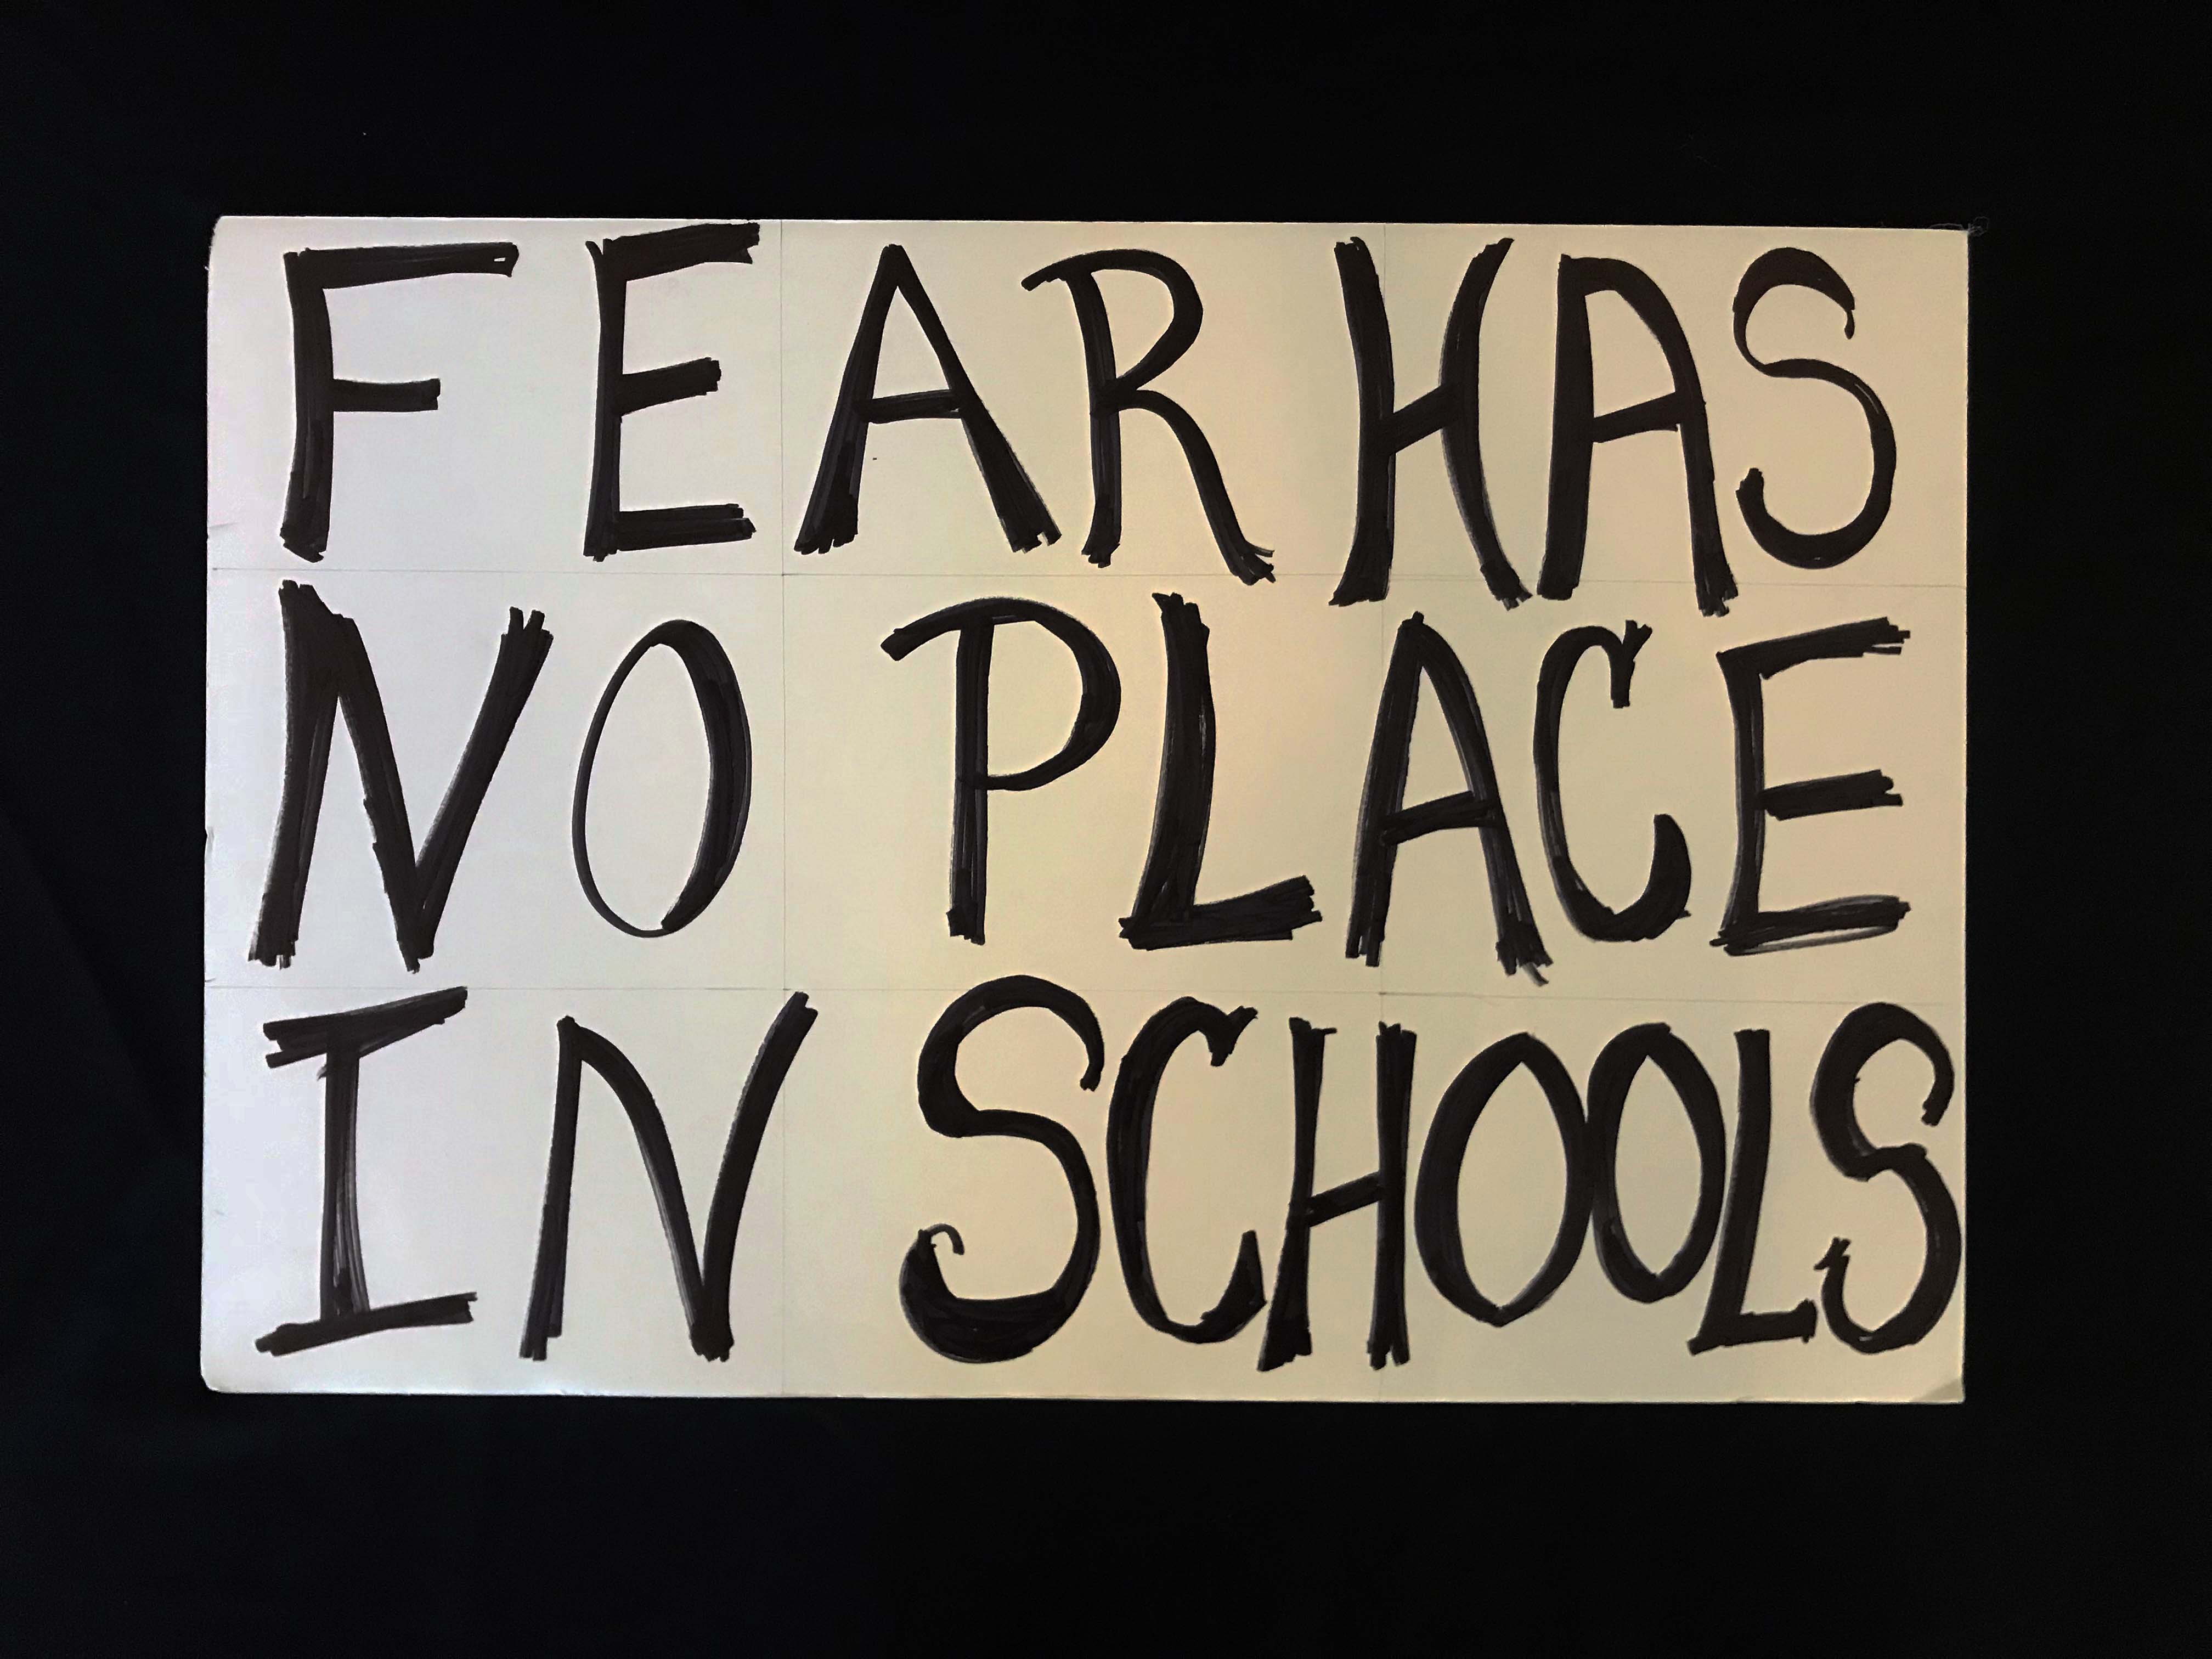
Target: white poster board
column 1496, row 693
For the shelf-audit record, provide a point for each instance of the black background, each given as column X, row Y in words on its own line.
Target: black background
column 137, row 1509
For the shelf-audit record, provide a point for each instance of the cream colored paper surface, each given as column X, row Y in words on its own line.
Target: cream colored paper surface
column 443, row 521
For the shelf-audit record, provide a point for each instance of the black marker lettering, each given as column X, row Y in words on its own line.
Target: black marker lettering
column 1097, row 708
column 1577, row 429
column 344, row 1039
column 1666, row 894
column 979, row 1330
column 706, row 1297
column 1435, row 1194
column 1865, row 1033
column 326, row 669
column 1454, row 408
column 618, row 262
column 1725, row 1323
column 1611, row 1079
column 1289, row 1334
column 1167, row 912
column 1111, row 394
column 1791, row 267
column 318, row 394
column 1129, row 1160
column 833, row 512
column 1386, row 823
column 1746, row 930
column 729, row 774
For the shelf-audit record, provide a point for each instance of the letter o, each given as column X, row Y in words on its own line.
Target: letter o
column 729, row 774
column 1436, row 1197
column 1610, row 1080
